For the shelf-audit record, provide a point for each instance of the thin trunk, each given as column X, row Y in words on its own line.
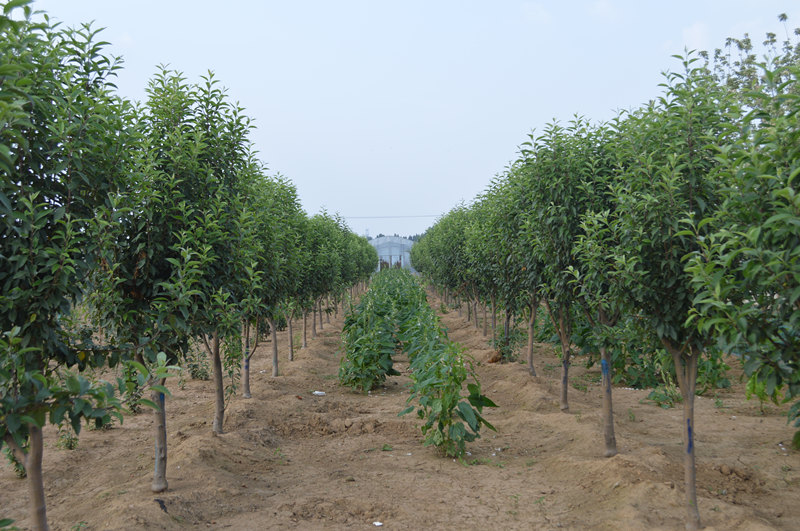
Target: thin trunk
column 534, row 306
column 219, row 388
column 608, row 411
column 160, row 424
column 314, row 322
column 291, row 339
column 469, row 311
column 563, row 326
column 686, row 371
column 564, row 406
column 33, row 468
column 305, row 329
column 246, row 368
column 494, row 316
column 507, row 328
column 327, row 313
column 319, row 312
column 274, row 336
column 475, row 312
column 255, row 341
column 485, row 322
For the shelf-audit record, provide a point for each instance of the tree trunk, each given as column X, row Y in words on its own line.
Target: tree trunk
column 219, row 388
column 33, row 468
column 291, row 339
column 314, row 322
column 534, row 306
column 274, row 335
column 160, row 424
column 494, row 316
column 608, row 411
column 246, row 368
column 327, row 313
column 686, row 371
column 507, row 328
column 469, row 311
column 475, row 313
column 564, row 328
column 564, row 406
column 305, row 329
column 255, row 340
column 485, row 322
column 319, row 304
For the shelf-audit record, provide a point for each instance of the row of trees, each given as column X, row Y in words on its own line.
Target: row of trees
column 680, row 216
column 156, row 220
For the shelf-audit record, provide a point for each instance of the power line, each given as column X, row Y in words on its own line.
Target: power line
column 389, row 217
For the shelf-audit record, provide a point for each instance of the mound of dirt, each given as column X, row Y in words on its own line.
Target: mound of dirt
column 292, row 460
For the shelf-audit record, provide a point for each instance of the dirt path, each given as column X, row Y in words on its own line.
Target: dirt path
column 292, row 460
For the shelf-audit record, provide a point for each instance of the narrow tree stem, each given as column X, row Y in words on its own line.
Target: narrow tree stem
column 33, row 468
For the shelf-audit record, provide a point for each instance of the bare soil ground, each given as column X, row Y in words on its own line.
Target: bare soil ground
column 292, row 460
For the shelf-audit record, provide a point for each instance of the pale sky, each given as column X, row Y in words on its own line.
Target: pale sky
column 405, row 108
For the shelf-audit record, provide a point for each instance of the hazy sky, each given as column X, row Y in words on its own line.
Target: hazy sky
column 405, row 108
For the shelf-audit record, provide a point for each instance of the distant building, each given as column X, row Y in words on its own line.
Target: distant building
column 393, row 251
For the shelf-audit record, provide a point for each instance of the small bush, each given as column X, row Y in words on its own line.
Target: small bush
column 67, row 438
column 198, row 365
column 19, row 468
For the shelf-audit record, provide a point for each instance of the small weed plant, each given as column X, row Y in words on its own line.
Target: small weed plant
column 67, row 438
column 198, row 365
column 19, row 468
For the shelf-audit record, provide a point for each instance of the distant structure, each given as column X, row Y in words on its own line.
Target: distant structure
column 393, row 251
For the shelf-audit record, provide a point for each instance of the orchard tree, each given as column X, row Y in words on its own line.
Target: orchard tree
column 221, row 131
column 671, row 178
column 554, row 172
column 61, row 170
column 598, row 286
column 518, row 274
column 274, row 205
column 324, row 261
column 746, row 272
column 147, row 287
column 479, row 247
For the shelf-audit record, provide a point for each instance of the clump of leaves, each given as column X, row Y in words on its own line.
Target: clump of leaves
column 132, row 385
column 19, row 468
column 665, row 396
column 509, row 347
column 198, row 365
column 67, row 438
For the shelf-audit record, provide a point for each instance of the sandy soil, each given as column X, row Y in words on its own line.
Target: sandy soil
column 292, row 460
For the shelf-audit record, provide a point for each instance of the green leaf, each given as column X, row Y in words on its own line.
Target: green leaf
column 160, row 389
column 13, row 423
column 14, row 4
column 468, row 415
column 148, row 403
column 73, row 385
